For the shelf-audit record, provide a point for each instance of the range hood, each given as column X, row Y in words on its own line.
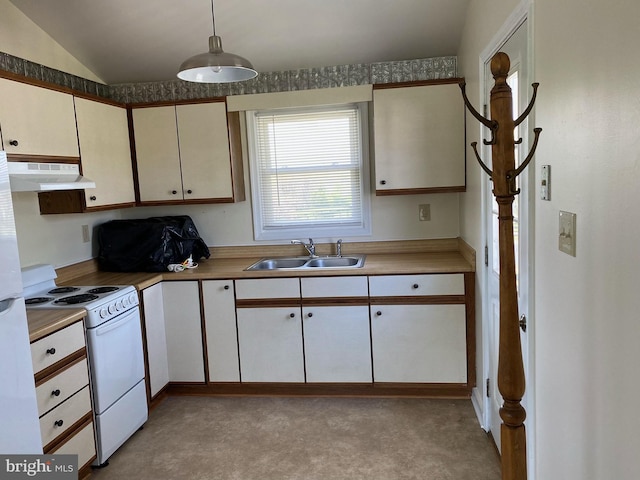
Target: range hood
column 46, row 177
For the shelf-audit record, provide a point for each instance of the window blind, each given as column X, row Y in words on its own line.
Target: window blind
column 309, row 167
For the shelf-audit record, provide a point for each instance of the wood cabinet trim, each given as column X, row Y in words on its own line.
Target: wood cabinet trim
column 24, row 157
column 420, row 300
column 418, row 83
column 73, row 360
column 68, row 433
column 334, row 302
column 419, row 191
column 268, row 302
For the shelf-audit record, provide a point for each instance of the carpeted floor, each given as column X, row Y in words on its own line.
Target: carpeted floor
column 307, row 439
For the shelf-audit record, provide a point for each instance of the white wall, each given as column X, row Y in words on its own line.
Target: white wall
column 20, row 37
column 586, row 324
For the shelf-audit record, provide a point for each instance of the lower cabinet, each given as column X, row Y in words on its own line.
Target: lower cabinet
column 220, row 329
column 270, row 344
column 62, row 391
column 155, row 338
column 337, row 344
column 183, row 328
column 419, row 343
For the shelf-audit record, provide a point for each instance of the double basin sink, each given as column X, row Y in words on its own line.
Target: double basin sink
column 305, row 263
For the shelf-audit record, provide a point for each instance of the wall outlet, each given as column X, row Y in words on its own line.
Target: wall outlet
column 567, row 233
column 424, row 212
column 86, row 237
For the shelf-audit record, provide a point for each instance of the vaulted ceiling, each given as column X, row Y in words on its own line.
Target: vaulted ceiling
column 147, row 40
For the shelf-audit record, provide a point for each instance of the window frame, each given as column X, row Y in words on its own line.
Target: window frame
column 319, row 232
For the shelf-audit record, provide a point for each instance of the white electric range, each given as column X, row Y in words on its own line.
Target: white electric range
column 114, row 350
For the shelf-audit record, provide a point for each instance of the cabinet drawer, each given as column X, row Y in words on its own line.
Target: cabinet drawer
column 55, row 347
column 81, row 444
column 68, row 412
column 57, row 389
column 334, row 287
column 408, row 285
column 268, row 288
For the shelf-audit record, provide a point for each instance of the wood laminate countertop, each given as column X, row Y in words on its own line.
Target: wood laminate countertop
column 438, row 256
column 44, row 321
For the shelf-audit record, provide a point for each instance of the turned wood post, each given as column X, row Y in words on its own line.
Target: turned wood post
column 511, row 381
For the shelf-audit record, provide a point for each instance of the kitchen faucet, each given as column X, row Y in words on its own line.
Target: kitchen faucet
column 311, row 248
column 339, row 248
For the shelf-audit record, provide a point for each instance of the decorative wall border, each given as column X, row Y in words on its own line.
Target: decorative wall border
column 284, row 81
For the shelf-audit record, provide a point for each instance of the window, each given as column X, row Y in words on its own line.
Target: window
column 308, row 173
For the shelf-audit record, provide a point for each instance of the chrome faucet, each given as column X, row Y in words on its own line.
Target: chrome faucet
column 311, row 248
column 339, row 248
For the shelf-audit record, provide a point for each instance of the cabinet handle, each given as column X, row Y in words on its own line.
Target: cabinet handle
column 383, row 182
column 174, row 192
column 93, row 198
column 292, row 315
column 415, row 286
column 310, row 314
column 13, row 143
column 378, row 313
column 226, row 287
column 51, row 351
column 58, row 423
column 55, row 393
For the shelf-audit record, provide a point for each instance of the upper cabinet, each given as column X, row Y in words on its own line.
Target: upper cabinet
column 37, row 122
column 188, row 154
column 419, row 139
column 105, row 153
column 105, row 158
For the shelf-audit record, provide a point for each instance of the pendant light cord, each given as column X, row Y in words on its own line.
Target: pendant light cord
column 213, row 19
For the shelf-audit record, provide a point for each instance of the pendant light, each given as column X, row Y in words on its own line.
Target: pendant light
column 216, row 66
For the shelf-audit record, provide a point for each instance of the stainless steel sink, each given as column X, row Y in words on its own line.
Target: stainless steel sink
column 304, row 263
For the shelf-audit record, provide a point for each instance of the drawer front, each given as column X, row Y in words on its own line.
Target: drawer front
column 409, row 285
column 81, row 444
column 334, row 287
column 268, row 288
column 57, row 389
column 55, row 347
column 65, row 414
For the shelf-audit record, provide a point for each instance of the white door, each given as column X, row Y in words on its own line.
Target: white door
column 517, row 49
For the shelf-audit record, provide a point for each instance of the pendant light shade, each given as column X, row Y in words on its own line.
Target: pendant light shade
column 216, row 66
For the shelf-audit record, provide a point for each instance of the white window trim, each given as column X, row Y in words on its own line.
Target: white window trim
column 318, row 233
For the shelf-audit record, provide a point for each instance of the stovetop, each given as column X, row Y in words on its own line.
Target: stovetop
column 72, row 296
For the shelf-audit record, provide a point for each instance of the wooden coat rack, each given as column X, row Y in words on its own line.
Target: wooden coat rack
column 511, row 379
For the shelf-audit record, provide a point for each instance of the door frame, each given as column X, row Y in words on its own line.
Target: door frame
column 521, row 14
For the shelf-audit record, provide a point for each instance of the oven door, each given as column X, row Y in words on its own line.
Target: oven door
column 115, row 358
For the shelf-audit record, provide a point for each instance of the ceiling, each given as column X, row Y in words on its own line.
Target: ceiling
column 125, row 41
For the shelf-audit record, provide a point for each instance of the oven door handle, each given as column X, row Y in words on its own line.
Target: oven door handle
column 113, row 324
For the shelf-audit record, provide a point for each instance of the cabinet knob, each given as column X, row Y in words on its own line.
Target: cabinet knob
column 383, row 182
column 189, row 191
column 378, row 313
column 415, row 286
column 174, row 192
column 55, row 393
column 93, row 198
column 226, row 287
column 51, row 351
column 292, row 315
column 58, row 423
column 310, row 314
column 13, row 143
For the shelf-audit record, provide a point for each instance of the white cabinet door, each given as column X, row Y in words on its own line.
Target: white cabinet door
column 204, row 151
column 337, row 343
column 105, row 153
column 184, row 331
column 419, row 138
column 157, row 155
column 155, row 338
column 222, row 335
column 270, row 342
column 37, row 121
column 419, row 343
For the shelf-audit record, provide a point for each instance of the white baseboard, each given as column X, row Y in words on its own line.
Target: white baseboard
column 478, row 405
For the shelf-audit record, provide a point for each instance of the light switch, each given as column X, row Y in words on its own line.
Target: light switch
column 567, row 233
column 545, row 182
